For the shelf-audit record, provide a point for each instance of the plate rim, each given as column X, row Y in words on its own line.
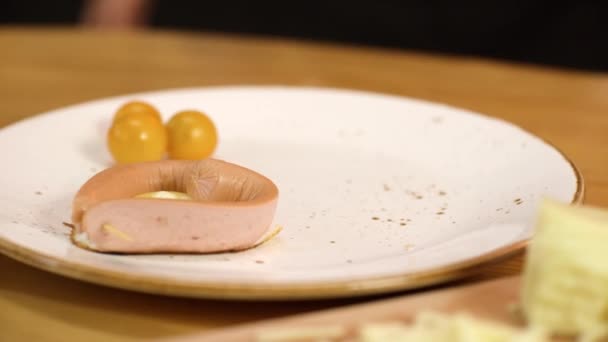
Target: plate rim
column 241, row 291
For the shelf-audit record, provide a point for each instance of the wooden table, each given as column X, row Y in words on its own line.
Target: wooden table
column 42, row 69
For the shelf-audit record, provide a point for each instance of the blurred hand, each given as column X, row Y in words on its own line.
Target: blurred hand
column 116, row 13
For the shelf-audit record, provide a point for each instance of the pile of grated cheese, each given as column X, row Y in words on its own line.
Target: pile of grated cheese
column 428, row 327
column 565, row 287
column 436, row 327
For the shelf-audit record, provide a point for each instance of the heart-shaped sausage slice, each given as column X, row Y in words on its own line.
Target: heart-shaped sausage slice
column 231, row 208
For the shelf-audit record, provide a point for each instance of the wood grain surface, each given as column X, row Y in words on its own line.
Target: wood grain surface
column 495, row 301
column 49, row 67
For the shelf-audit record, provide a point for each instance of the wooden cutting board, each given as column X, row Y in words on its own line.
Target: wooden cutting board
column 490, row 300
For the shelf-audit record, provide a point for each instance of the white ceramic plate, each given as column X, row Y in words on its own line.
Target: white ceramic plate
column 378, row 193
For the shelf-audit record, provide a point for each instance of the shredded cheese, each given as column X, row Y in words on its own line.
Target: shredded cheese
column 118, row 233
column 565, row 288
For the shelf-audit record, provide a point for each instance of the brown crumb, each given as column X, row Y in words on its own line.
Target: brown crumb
column 332, row 241
column 389, row 220
column 162, row 220
column 442, row 193
column 518, row 201
column 386, row 187
column 259, row 261
column 402, row 224
column 440, row 213
column 413, row 194
column 375, row 218
column 515, row 310
column 38, row 193
column 69, row 225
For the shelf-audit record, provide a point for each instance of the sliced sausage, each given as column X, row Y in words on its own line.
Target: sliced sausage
column 231, row 208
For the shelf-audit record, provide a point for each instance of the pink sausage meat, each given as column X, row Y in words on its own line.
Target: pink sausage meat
column 232, row 208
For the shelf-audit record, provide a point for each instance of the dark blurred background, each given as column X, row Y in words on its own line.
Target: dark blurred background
column 569, row 34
